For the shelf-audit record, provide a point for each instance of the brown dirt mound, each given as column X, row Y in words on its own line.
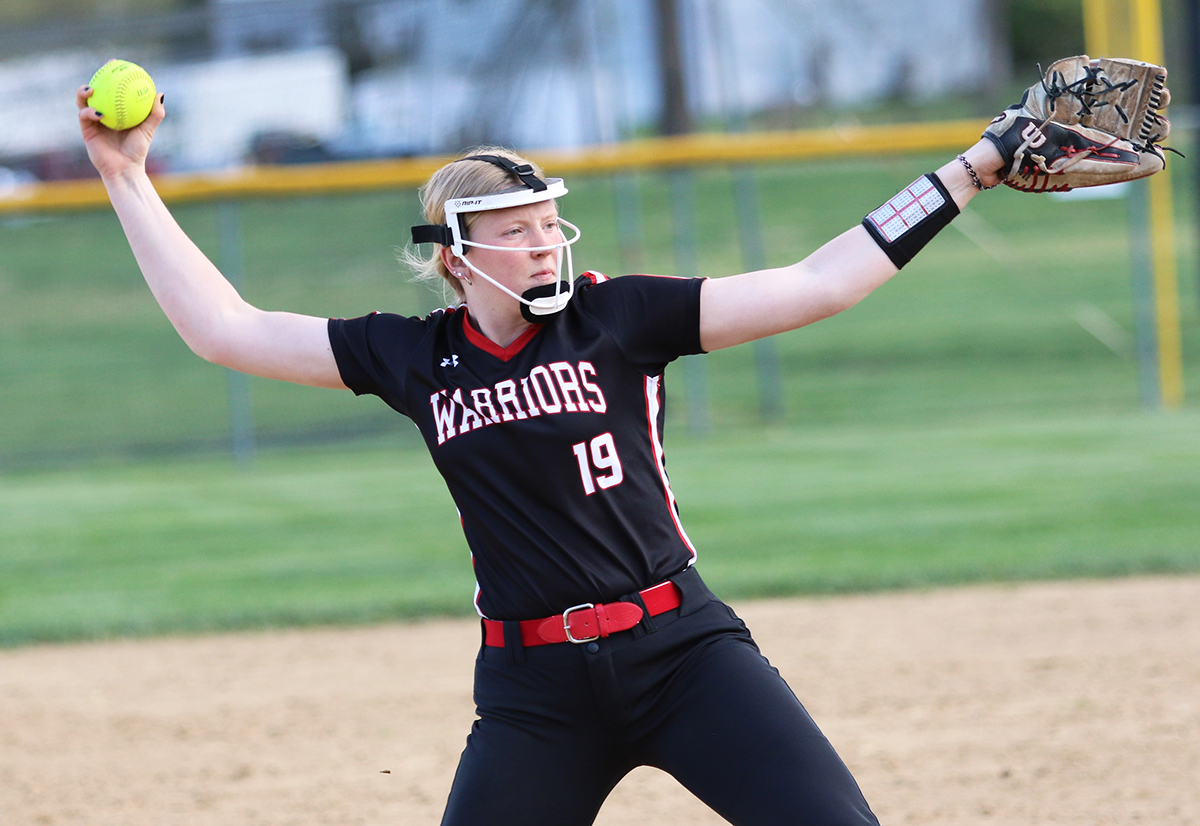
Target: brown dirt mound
column 1073, row 703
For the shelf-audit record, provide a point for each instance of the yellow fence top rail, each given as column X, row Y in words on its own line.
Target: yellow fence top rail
column 656, row 153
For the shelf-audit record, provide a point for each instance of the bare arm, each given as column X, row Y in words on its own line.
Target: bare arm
column 837, row 276
column 201, row 304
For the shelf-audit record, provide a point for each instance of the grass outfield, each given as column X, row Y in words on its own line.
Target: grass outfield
column 962, row 424
column 368, row 534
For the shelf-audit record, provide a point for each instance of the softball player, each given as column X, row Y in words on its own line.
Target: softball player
column 540, row 397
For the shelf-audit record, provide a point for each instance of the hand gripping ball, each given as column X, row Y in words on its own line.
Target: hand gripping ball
column 123, row 93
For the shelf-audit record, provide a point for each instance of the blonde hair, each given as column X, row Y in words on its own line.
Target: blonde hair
column 458, row 179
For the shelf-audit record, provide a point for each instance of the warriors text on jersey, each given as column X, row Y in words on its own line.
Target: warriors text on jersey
column 552, row 446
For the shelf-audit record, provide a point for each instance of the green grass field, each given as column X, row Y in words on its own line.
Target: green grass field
column 960, row 425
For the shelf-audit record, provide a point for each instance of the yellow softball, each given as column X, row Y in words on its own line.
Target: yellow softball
column 123, row 93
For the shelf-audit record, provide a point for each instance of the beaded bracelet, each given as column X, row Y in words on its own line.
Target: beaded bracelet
column 974, row 178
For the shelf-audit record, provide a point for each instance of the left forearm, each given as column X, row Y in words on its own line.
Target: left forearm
column 834, row 278
column 755, row 305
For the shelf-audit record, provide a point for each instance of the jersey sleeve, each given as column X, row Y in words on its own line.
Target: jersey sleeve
column 373, row 352
column 654, row 319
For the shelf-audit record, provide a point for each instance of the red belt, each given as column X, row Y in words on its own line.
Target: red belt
column 587, row 622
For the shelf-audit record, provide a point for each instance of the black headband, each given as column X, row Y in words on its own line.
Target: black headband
column 523, row 171
column 432, row 234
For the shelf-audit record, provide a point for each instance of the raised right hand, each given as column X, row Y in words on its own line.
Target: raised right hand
column 116, row 153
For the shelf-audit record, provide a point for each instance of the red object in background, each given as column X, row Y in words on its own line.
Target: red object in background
column 68, row 165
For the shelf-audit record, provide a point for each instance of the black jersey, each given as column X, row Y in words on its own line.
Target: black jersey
column 552, row 446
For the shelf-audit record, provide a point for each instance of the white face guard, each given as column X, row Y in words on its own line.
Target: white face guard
column 541, row 301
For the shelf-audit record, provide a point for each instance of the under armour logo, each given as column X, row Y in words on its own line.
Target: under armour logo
column 1033, row 136
column 450, row 362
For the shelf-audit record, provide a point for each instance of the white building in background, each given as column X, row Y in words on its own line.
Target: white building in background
column 37, row 96
column 219, row 107
column 535, row 73
column 421, row 76
column 216, row 108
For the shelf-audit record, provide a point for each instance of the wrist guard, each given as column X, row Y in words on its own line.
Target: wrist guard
column 910, row 219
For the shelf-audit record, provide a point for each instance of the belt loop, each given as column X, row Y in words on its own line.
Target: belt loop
column 514, row 650
column 693, row 593
column 646, row 625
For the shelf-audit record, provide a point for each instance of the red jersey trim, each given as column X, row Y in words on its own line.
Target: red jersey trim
column 488, row 346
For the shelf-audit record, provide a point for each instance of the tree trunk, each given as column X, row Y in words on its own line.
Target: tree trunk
column 675, row 119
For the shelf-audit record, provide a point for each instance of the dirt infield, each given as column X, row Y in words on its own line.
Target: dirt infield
column 1072, row 703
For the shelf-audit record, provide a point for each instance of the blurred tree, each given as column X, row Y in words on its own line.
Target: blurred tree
column 348, row 35
column 1041, row 31
column 36, row 11
column 1181, row 21
column 675, row 117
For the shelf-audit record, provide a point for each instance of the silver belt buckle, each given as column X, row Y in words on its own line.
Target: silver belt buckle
column 567, row 623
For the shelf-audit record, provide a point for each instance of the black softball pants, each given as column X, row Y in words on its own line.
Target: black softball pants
column 687, row 692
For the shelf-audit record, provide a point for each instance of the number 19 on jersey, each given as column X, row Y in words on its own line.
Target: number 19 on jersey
column 599, row 464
